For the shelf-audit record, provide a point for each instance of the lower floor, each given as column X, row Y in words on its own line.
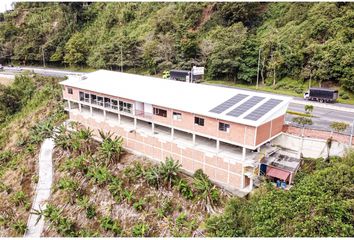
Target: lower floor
column 230, row 166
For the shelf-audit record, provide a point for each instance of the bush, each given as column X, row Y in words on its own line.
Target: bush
column 140, row 230
column 185, row 189
column 108, row 224
column 345, row 96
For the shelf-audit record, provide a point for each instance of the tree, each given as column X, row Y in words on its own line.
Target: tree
column 169, row 171
column 76, row 50
column 110, row 148
column 308, row 109
column 207, row 193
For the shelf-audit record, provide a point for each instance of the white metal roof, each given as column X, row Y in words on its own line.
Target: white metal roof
column 188, row 97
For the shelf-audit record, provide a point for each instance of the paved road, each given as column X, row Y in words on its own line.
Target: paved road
column 43, row 189
column 325, row 113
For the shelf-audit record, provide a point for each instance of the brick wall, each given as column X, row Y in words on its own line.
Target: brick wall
column 312, row 133
column 218, row 169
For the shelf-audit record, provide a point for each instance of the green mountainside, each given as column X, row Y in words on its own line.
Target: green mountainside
column 298, row 42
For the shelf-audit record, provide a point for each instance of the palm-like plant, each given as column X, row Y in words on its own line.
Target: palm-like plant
column 111, row 148
column 208, row 194
column 152, row 176
column 169, row 171
column 63, row 138
column 100, row 175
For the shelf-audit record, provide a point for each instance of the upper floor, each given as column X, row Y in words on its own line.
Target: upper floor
column 212, row 125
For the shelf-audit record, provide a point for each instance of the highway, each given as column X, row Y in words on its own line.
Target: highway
column 323, row 114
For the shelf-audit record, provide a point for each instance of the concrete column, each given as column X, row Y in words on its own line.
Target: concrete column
column 193, row 139
column 91, row 111
column 153, row 128
column 119, row 119
column 69, row 105
column 104, row 114
column 217, row 145
column 243, row 154
column 172, row 133
column 80, row 107
column 135, row 123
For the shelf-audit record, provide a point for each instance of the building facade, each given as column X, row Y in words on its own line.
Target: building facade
column 222, row 131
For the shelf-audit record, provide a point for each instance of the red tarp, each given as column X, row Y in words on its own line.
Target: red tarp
column 277, row 173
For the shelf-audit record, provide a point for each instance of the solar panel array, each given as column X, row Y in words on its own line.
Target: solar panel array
column 263, row 109
column 238, row 111
column 228, row 103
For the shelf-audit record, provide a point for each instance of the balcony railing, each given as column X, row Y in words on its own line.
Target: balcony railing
column 143, row 114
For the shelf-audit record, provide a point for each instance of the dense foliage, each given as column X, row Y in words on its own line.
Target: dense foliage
column 321, row 204
column 301, row 41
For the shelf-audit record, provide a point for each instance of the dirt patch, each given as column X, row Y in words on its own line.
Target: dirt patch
column 5, row 81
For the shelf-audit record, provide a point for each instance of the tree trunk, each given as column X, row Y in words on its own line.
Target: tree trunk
column 262, row 70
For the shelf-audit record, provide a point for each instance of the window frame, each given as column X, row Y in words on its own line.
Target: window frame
column 125, row 107
column 175, row 114
column 199, row 121
column 159, row 112
column 70, row 91
column 224, row 127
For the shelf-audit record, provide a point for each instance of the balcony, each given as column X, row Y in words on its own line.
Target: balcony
column 143, row 114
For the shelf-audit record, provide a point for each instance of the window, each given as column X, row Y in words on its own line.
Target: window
column 115, row 104
column 199, row 121
column 100, row 101
column 82, row 96
column 93, row 99
column 87, row 97
column 224, row 127
column 125, row 107
column 70, row 90
column 177, row 116
column 107, row 102
column 160, row 112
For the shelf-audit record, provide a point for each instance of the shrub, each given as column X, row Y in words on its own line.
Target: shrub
column 19, row 226
column 116, row 189
column 100, row 175
column 19, row 198
column 68, row 184
column 345, row 96
column 108, row 224
column 6, row 157
column 152, row 176
column 185, row 189
column 140, row 230
column 169, row 171
column 139, row 205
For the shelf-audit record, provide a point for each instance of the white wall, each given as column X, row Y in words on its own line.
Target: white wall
column 313, row 148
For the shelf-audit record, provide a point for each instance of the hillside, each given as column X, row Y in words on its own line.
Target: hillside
column 298, row 42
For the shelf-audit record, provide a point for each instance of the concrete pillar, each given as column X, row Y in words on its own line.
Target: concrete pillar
column 259, row 149
column 104, row 114
column 172, row 133
column 243, row 154
column 153, row 128
column 193, row 139
column 80, row 107
column 135, row 123
column 69, row 105
column 119, row 119
column 217, row 145
column 91, row 111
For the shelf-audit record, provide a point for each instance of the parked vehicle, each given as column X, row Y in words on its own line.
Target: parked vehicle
column 321, row 95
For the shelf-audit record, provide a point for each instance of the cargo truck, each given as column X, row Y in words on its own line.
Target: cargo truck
column 321, row 95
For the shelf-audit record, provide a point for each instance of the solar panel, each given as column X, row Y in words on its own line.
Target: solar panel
column 238, row 111
column 228, row 103
column 263, row 109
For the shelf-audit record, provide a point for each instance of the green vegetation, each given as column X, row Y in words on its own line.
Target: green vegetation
column 298, row 44
column 339, row 126
column 29, row 110
column 319, row 205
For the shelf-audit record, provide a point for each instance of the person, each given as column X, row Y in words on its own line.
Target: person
column 278, row 183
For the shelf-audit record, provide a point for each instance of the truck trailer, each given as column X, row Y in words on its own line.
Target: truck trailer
column 321, row 95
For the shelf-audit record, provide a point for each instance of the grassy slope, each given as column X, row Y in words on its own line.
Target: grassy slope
column 18, row 173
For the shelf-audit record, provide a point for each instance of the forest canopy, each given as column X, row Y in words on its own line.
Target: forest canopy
column 301, row 41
